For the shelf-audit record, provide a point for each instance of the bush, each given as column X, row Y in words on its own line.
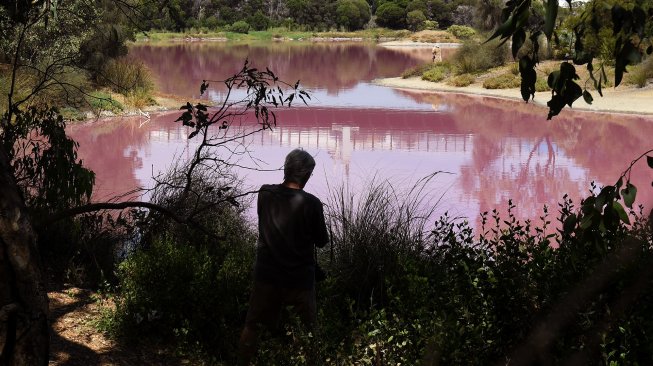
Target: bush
column 430, row 25
column 640, row 74
column 504, row 81
column 391, row 15
column 240, row 26
column 462, row 80
column 474, row 57
column 125, row 75
column 416, row 71
column 352, row 14
column 415, row 20
column 436, row 73
column 258, row 21
column 461, row 31
column 542, row 85
column 101, row 101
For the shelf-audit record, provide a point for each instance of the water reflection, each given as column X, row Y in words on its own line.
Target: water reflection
column 496, row 149
column 338, row 74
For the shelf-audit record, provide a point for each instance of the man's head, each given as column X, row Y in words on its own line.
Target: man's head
column 298, row 167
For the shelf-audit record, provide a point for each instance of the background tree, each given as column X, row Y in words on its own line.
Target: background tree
column 391, row 15
column 352, row 14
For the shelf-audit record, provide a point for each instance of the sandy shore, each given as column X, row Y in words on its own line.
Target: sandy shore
column 629, row 100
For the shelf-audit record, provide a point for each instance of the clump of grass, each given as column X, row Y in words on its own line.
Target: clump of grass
column 437, row 72
column 101, row 101
column 474, row 57
column 462, row 80
column 640, row 74
column 461, row 31
column 503, row 81
column 125, row 75
column 541, row 85
column 416, row 71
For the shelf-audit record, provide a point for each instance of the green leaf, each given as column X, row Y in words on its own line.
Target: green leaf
column 621, row 212
column 629, row 194
column 569, row 224
column 588, row 97
column 517, row 41
column 550, row 18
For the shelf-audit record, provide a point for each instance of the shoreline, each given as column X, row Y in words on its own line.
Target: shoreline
column 623, row 100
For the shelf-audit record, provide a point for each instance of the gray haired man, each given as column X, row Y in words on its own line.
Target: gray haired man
column 290, row 223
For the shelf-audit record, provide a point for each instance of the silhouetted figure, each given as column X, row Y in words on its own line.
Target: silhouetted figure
column 291, row 222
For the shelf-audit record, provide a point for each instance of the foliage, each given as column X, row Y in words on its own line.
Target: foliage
column 240, row 26
column 101, row 101
column 258, row 21
column 187, row 292
column 352, row 14
column 416, row 70
column 503, row 81
column 593, row 31
column 641, row 73
column 436, row 73
column 416, row 20
column 474, row 57
column 44, row 161
column 461, row 31
column 462, row 80
column 125, row 75
column 391, row 15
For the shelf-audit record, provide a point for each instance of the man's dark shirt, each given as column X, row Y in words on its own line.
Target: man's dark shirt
column 290, row 222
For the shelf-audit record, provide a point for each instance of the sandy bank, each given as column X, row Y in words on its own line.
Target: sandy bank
column 408, row 43
column 629, row 100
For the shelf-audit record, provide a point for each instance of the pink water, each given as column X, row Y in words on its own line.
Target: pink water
column 493, row 149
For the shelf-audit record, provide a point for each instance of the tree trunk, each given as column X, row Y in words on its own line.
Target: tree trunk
column 24, row 338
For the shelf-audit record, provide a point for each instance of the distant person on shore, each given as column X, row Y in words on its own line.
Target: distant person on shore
column 437, row 54
column 291, row 224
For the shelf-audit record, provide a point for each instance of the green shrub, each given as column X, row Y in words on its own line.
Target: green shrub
column 474, row 57
column 415, row 20
column 391, row 15
column 101, row 101
column 436, row 73
column 240, row 26
column 461, row 31
column 125, row 75
column 258, row 22
column 352, row 14
column 416, row 71
column 640, row 74
column 462, row 80
column 542, row 85
column 504, row 81
column 431, row 25
column 193, row 293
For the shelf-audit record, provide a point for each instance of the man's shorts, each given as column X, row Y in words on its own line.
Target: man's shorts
column 267, row 302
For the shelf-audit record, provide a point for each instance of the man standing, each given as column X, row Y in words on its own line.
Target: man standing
column 290, row 222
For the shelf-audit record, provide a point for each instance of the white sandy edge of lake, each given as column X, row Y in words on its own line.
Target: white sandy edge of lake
column 628, row 100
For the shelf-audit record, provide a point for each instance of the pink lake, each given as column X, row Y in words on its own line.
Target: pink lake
column 491, row 149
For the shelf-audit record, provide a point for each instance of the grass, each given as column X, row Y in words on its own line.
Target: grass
column 272, row 33
column 641, row 73
column 461, row 80
column 436, row 73
column 101, row 101
column 503, row 81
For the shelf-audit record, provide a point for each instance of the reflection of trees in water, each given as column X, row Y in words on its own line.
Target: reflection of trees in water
column 518, row 154
column 179, row 68
column 111, row 149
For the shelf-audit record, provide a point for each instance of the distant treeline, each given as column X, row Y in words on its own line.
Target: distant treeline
column 318, row 15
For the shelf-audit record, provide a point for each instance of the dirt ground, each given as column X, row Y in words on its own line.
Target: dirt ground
column 75, row 341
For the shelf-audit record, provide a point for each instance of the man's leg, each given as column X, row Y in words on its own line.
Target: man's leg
column 264, row 311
